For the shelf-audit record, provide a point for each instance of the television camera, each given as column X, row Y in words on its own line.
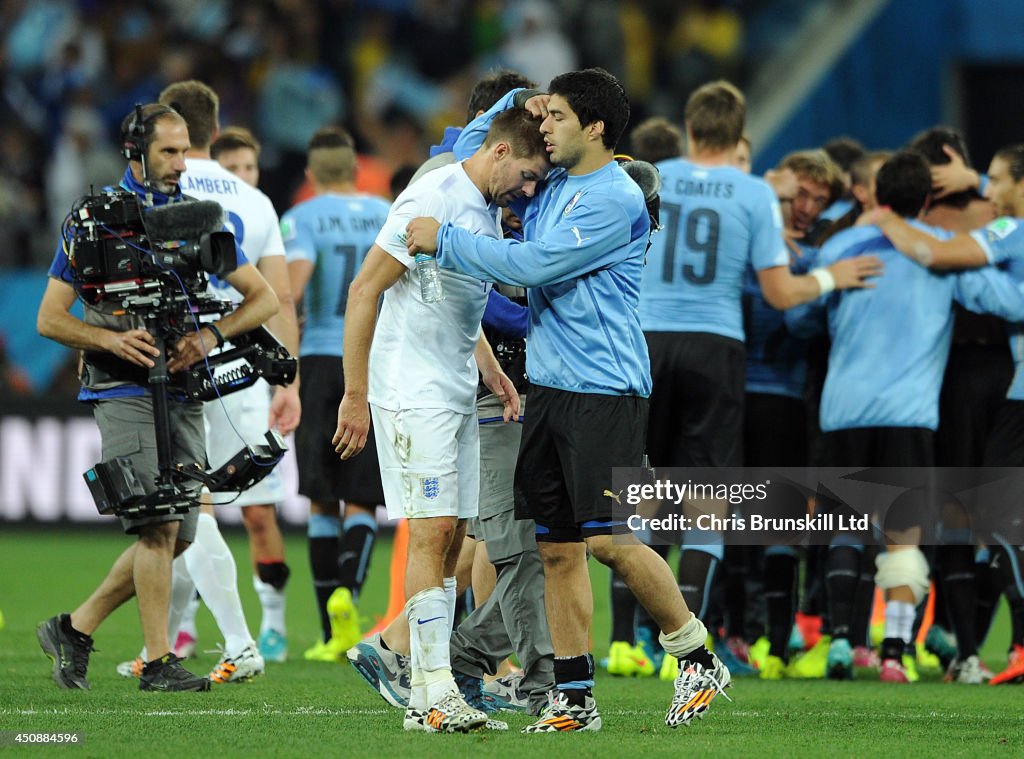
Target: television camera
column 154, row 263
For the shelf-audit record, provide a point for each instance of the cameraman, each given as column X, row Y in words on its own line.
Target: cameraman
column 124, row 413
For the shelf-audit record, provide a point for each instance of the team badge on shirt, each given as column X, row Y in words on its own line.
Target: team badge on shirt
column 1001, row 228
column 431, row 487
column 572, row 203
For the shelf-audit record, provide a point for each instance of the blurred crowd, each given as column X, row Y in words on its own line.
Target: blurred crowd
column 393, row 71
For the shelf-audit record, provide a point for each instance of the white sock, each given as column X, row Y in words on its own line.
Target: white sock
column 272, row 601
column 182, row 593
column 214, row 572
column 418, row 693
column 438, row 684
column 686, row 639
column 450, row 584
column 899, row 620
column 429, row 641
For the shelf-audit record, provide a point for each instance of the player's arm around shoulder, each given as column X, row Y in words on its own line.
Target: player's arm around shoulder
column 961, row 251
column 784, row 290
column 379, row 271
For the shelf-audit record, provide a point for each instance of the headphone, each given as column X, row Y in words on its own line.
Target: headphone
column 137, row 129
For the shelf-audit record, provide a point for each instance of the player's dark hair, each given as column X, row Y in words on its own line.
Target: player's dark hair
column 1014, row 157
column 139, row 126
column 844, row 151
column 595, row 95
column 401, row 178
column 656, row 139
column 331, row 157
column 715, row 114
column 200, row 107
column 491, row 88
column 331, row 137
column 861, row 171
column 903, row 183
column 234, row 138
column 520, row 130
column 929, row 145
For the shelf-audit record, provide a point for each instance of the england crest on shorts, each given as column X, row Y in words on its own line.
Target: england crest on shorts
column 431, row 487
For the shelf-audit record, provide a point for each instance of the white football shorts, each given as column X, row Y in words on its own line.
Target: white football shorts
column 429, row 462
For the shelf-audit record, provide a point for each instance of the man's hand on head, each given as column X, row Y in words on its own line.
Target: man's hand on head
column 421, row 235
column 538, row 106
column 955, row 176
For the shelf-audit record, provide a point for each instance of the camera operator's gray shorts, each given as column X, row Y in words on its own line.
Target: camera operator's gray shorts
column 127, row 430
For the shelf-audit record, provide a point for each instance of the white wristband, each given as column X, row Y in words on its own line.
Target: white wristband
column 826, row 282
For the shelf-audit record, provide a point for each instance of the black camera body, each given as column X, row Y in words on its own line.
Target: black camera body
column 117, row 248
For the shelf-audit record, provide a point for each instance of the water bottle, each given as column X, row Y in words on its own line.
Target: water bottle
column 431, row 290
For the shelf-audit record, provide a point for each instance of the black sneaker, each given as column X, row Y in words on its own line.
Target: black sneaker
column 69, row 651
column 167, row 674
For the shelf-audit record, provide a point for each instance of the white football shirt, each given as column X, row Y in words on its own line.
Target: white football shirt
column 248, row 212
column 422, row 353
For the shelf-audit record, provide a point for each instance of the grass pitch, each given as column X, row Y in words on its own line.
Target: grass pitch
column 312, row 710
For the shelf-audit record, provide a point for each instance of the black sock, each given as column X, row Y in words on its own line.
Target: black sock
column 756, row 611
column 734, row 589
column 1016, row 603
column 893, row 648
column 696, row 573
column 987, row 593
column 701, row 656
column 959, row 585
column 624, row 608
column 864, row 601
column 577, row 671
column 780, row 575
column 273, row 573
column 359, row 534
column 812, row 597
column 842, row 576
column 940, row 608
column 323, row 562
